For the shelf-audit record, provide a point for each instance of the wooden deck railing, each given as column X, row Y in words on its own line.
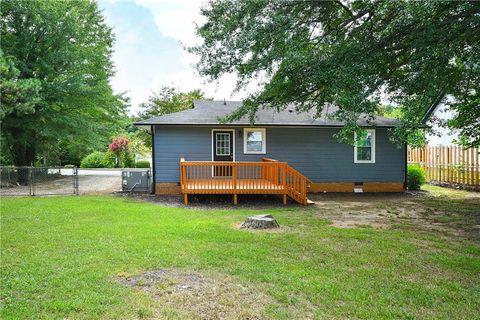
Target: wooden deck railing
column 267, row 177
column 296, row 185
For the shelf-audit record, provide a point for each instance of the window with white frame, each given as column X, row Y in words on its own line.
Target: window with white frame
column 254, row 140
column 222, row 144
column 365, row 147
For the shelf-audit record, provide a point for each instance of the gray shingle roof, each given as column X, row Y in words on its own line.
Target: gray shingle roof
column 208, row 112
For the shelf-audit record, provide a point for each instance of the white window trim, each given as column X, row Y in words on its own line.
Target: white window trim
column 229, row 147
column 233, row 135
column 264, row 142
column 372, row 132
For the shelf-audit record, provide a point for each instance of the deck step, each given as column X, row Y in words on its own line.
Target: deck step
column 295, row 196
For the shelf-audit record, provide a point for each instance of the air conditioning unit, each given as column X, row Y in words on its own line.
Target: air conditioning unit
column 136, row 180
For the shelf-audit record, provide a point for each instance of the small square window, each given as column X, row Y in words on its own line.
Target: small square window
column 254, row 141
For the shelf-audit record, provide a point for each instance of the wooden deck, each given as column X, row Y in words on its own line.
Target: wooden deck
column 266, row 177
column 227, row 186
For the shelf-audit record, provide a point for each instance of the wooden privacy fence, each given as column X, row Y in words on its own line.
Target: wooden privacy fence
column 448, row 164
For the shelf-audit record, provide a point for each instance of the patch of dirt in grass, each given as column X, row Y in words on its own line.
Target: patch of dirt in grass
column 360, row 223
column 450, row 216
column 197, row 296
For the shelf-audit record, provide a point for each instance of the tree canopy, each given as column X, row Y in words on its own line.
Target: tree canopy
column 168, row 100
column 55, row 63
column 352, row 54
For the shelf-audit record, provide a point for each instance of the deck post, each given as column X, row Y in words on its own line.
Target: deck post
column 284, row 183
column 305, row 202
column 183, row 180
column 234, row 183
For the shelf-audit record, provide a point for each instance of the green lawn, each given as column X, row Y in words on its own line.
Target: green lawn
column 61, row 257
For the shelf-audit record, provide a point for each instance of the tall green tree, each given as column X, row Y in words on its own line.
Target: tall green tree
column 166, row 100
column 169, row 100
column 350, row 54
column 56, row 65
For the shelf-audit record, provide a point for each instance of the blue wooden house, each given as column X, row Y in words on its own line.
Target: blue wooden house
column 285, row 153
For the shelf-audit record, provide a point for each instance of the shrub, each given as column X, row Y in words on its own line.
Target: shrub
column 93, row 160
column 415, row 177
column 110, row 159
column 142, row 164
column 127, row 160
column 69, row 166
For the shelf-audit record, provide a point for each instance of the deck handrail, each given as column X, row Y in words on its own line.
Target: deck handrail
column 269, row 176
column 296, row 184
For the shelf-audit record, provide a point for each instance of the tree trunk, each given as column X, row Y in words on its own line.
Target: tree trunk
column 260, row 222
column 23, row 153
column 46, row 153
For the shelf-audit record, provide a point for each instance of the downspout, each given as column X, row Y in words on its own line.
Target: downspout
column 152, row 129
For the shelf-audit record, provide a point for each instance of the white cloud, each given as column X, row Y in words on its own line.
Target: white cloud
column 176, row 18
column 148, row 53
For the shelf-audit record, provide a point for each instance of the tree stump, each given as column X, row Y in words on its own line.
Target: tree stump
column 266, row 221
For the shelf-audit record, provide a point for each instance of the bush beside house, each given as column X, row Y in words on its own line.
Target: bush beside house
column 415, row 177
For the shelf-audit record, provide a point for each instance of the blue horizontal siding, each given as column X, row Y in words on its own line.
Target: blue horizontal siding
column 312, row 151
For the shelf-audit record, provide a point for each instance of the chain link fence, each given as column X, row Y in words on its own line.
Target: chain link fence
column 24, row 181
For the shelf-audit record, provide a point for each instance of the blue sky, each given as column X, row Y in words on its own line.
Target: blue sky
column 148, row 51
